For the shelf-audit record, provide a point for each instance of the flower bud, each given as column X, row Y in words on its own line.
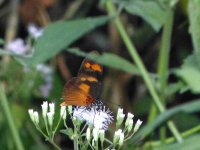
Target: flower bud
column 50, row 118
column 117, row 136
column 95, row 133
column 102, row 135
column 30, row 111
column 88, row 136
column 130, row 125
column 63, row 112
column 44, row 109
column 120, row 117
column 121, row 139
column 137, row 125
column 36, row 117
column 52, row 108
column 129, row 118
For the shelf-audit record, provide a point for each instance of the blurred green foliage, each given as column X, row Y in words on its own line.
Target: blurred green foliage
column 22, row 81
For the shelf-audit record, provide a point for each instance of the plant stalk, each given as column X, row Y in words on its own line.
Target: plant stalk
column 8, row 116
column 136, row 58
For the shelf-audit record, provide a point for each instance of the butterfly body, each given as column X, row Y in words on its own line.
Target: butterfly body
column 84, row 89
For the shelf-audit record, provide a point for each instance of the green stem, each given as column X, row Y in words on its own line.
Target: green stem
column 8, row 116
column 165, row 50
column 76, row 143
column 48, row 138
column 172, row 139
column 135, row 56
column 164, row 59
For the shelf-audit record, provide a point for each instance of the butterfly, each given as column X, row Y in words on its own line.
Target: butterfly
column 84, row 89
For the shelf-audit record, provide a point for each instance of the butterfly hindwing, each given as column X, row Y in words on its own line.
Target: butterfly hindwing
column 75, row 93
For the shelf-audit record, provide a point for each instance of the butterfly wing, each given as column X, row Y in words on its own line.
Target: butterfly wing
column 76, row 93
column 91, row 73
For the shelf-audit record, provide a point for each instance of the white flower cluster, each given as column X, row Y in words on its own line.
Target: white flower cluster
column 48, row 111
column 97, row 118
column 120, row 135
column 97, row 115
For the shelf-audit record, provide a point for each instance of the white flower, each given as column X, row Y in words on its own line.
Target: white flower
column 69, row 108
column 34, row 30
column 63, row 112
column 52, row 108
column 121, row 139
column 18, row 47
column 117, row 135
column 50, row 118
column 30, row 111
column 96, row 115
column 36, row 117
column 44, row 109
column 130, row 125
column 95, row 134
column 129, row 118
column 120, row 117
column 137, row 125
column 102, row 135
column 88, row 136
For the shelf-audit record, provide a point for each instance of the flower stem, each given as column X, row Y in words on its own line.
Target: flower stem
column 76, row 143
column 172, row 139
column 48, row 138
column 135, row 56
column 164, row 59
column 8, row 116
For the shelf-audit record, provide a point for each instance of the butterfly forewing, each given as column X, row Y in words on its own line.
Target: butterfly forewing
column 83, row 89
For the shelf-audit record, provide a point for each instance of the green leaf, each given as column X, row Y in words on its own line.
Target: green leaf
column 69, row 132
column 108, row 59
column 150, row 11
column 5, row 52
column 190, row 73
column 189, row 107
column 60, row 35
column 194, row 19
column 190, row 143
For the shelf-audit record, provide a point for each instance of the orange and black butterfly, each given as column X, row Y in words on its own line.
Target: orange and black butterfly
column 84, row 89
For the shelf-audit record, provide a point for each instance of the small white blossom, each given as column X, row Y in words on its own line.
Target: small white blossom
column 96, row 115
column 63, row 112
column 88, row 136
column 117, row 135
column 121, row 139
column 93, row 142
column 102, row 135
column 30, row 111
column 69, row 108
column 34, row 30
column 129, row 118
column 36, row 117
column 52, row 108
column 18, row 47
column 130, row 125
column 120, row 117
column 44, row 109
column 50, row 116
column 95, row 134
column 137, row 125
